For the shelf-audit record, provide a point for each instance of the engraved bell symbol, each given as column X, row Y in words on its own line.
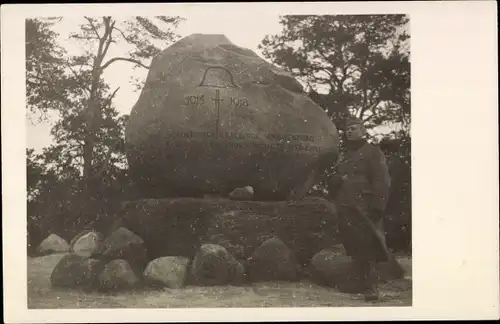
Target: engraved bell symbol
column 217, row 77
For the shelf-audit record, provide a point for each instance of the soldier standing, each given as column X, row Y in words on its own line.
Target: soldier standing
column 360, row 189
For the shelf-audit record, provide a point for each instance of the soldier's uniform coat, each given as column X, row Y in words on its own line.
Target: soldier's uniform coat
column 363, row 195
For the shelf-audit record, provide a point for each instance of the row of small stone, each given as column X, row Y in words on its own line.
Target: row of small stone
column 116, row 264
column 120, row 262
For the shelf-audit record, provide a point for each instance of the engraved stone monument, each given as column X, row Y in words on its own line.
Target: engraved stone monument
column 213, row 117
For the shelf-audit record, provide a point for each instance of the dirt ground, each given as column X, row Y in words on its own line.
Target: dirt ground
column 302, row 294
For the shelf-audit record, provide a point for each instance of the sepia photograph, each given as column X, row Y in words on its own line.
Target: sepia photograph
column 173, row 167
column 189, row 160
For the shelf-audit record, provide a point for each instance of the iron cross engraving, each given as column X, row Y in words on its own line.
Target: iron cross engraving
column 217, row 77
column 217, row 100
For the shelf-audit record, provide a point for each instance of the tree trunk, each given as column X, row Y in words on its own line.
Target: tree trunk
column 87, row 158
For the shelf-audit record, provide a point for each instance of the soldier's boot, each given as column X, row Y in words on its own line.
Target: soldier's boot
column 396, row 269
column 371, row 292
column 367, row 282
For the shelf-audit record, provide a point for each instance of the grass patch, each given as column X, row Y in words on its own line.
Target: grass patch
column 301, row 294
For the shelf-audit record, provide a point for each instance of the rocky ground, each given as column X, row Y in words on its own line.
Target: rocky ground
column 301, row 294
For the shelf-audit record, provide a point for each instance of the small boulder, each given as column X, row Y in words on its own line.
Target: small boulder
column 91, row 268
column 117, row 275
column 65, row 273
column 273, row 260
column 236, row 248
column 242, row 194
column 330, row 268
column 167, row 272
column 77, row 236
column 86, row 244
column 333, row 267
column 126, row 245
column 214, row 265
column 53, row 244
column 74, row 271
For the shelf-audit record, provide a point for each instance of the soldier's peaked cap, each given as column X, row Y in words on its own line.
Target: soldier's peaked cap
column 351, row 120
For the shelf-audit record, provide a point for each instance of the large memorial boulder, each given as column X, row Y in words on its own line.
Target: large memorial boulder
column 249, row 120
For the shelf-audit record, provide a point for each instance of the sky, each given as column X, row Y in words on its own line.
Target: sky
column 240, row 29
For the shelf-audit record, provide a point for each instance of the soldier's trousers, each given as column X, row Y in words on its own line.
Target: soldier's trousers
column 362, row 238
column 362, row 242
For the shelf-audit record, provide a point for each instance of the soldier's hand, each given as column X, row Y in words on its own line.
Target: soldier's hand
column 345, row 177
column 376, row 215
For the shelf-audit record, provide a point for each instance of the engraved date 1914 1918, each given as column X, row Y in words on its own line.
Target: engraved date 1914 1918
column 200, row 100
column 194, row 100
